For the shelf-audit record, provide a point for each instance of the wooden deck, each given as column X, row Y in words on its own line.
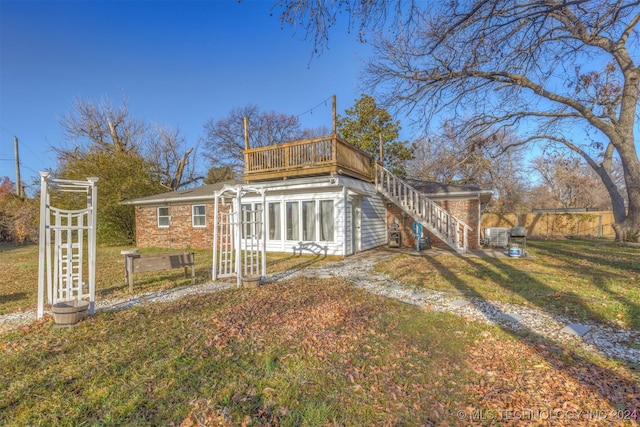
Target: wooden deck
column 328, row 155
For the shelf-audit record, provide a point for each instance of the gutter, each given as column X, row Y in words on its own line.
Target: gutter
column 168, row 200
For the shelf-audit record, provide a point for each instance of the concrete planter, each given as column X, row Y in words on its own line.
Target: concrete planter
column 69, row 312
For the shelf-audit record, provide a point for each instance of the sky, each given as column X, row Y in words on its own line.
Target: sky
column 177, row 63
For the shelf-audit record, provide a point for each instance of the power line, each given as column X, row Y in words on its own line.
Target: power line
column 310, row 110
column 7, row 130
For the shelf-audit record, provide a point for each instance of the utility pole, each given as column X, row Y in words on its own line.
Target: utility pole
column 246, row 132
column 18, row 183
column 334, row 118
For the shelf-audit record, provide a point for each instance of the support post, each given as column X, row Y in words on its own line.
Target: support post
column 92, row 203
column 216, row 221
column 238, row 243
column 264, row 236
column 44, row 220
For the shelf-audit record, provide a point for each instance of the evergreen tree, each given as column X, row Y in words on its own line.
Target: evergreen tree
column 365, row 124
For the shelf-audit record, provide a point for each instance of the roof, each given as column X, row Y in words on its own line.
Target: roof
column 435, row 189
column 204, row 192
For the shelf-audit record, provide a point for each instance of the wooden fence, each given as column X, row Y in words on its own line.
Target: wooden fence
column 586, row 224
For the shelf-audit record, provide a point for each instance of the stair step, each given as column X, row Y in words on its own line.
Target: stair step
column 434, row 218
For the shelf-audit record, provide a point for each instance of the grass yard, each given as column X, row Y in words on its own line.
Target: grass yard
column 301, row 352
column 581, row 279
column 321, row 352
column 19, row 278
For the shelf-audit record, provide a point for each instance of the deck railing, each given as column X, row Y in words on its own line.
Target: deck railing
column 319, row 156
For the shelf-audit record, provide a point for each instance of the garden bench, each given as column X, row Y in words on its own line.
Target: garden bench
column 312, row 247
column 136, row 263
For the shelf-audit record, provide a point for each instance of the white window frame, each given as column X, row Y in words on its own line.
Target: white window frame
column 202, row 216
column 249, row 230
column 300, row 218
column 167, row 216
column 332, row 219
column 276, row 219
column 295, row 233
column 307, row 215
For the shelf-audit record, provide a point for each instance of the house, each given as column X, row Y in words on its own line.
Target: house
column 321, row 193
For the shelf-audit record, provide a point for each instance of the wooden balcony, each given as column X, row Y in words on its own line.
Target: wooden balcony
column 328, row 155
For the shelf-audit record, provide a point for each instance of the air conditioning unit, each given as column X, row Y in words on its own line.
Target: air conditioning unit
column 496, row 236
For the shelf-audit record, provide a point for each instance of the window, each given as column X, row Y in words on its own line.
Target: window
column 308, row 221
column 305, row 220
column 246, row 215
column 326, row 220
column 252, row 220
column 163, row 217
column 274, row 221
column 198, row 216
column 292, row 222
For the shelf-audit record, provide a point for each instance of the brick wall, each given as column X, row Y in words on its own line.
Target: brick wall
column 465, row 210
column 180, row 234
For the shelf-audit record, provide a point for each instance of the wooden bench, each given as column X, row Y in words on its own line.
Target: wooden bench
column 312, row 247
column 136, row 263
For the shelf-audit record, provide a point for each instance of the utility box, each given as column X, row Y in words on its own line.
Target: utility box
column 496, row 236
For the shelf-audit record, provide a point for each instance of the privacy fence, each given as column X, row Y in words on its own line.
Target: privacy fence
column 549, row 224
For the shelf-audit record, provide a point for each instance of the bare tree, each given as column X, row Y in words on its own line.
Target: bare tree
column 92, row 126
column 451, row 158
column 224, row 138
column 103, row 126
column 174, row 160
column 559, row 71
column 567, row 182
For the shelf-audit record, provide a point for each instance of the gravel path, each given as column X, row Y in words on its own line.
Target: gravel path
column 606, row 340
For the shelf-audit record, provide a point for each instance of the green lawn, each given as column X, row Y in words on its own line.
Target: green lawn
column 321, row 352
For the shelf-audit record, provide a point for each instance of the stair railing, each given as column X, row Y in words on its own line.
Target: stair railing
column 436, row 219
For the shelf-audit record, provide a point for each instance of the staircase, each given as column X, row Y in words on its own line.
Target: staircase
column 438, row 221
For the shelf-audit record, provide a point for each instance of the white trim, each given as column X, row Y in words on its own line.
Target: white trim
column 202, row 216
column 163, row 216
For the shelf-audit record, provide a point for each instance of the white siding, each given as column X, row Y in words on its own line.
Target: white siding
column 341, row 190
column 374, row 228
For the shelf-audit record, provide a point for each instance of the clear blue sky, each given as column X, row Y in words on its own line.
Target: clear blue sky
column 177, row 63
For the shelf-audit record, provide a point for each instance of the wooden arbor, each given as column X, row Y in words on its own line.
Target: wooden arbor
column 61, row 263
